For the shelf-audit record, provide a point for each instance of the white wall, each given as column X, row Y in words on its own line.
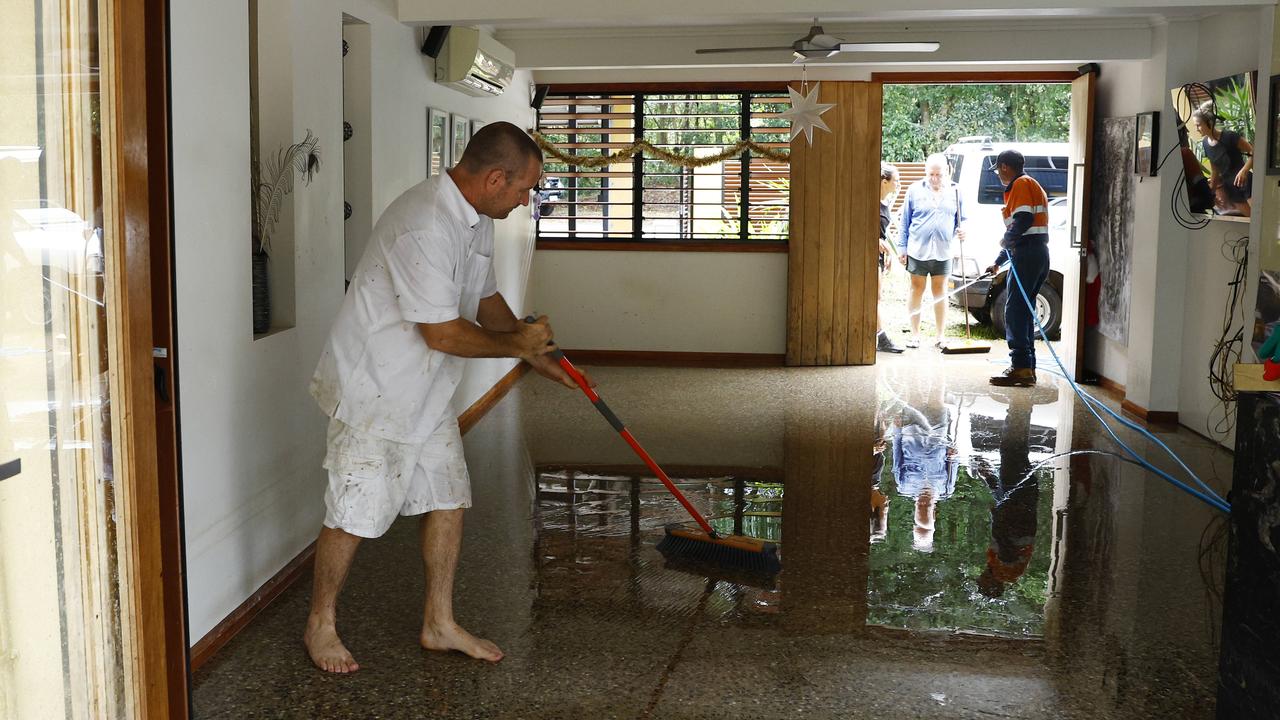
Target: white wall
column 1179, row 284
column 664, row 301
column 1120, row 94
column 1223, row 50
column 252, row 439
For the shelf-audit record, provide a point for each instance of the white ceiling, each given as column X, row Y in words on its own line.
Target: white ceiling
column 553, row 35
column 508, row 14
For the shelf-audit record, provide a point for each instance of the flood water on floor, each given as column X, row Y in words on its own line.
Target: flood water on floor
column 941, row 557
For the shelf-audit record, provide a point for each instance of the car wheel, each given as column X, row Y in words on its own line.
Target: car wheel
column 981, row 315
column 546, row 209
column 1048, row 307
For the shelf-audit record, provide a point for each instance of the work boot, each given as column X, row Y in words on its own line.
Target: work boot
column 884, row 343
column 1015, row 377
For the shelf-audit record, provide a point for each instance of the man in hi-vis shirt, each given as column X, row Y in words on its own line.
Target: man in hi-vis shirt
column 1026, row 246
column 422, row 299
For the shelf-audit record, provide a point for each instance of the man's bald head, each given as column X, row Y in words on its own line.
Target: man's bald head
column 499, row 169
column 500, row 145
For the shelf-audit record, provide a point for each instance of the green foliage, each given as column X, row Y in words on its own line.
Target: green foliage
column 924, row 119
column 1234, row 105
column 938, row 590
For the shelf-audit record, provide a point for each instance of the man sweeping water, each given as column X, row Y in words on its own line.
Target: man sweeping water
column 422, row 299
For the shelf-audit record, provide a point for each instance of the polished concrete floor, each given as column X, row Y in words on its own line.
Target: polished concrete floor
column 941, row 558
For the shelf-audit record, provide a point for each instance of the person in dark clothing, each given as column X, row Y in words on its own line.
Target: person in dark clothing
column 1025, row 246
column 888, row 189
column 1230, row 162
column 1015, row 491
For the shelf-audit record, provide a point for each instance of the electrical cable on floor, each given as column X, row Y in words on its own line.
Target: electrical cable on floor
column 1212, row 499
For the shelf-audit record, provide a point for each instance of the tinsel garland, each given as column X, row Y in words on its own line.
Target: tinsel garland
column 624, row 154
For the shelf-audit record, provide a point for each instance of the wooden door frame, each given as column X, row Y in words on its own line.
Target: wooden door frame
column 135, row 119
column 1085, row 197
column 974, row 78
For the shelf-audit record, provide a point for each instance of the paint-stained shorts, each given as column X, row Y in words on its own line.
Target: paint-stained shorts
column 372, row 479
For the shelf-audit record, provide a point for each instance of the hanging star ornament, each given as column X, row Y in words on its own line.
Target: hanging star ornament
column 804, row 113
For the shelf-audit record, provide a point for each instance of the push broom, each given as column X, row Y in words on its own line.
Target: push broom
column 968, row 347
column 705, row 545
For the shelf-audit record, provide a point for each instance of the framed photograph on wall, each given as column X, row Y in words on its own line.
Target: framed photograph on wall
column 476, row 125
column 1146, row 143
column 461, row 134
column 437, row 141
column 1273, row 130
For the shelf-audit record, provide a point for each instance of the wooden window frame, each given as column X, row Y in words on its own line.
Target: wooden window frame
column 640, row 245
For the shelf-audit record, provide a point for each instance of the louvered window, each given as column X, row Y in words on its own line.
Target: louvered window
column 673, row 203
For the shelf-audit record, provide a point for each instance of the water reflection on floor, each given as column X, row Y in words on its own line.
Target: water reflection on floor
column 960, row 492
column 941, row 558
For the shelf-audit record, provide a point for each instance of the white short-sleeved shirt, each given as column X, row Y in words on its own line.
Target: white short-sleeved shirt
column 429, row 260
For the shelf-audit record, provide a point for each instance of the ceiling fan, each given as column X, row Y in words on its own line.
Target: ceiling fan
column 818, row 44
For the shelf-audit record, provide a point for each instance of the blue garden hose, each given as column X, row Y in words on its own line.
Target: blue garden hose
column 1211, row 498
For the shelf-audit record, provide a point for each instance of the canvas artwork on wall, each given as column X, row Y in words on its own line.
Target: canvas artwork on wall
column 461, row 134
column 437, row 141
column 1111, row 223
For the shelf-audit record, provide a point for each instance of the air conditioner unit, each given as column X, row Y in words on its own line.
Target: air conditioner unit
column 475, row 63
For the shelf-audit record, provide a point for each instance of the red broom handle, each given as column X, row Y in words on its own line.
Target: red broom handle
column 626, row 435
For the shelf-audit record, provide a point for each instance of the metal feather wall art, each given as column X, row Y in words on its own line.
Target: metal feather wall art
column 301, row 157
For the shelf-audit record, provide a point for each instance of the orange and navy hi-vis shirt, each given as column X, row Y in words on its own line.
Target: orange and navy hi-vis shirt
column 1024, row 195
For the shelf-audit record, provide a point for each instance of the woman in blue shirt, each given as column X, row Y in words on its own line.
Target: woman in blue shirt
column 931, row 215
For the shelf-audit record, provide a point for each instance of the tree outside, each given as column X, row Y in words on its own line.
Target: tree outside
column 924, row 119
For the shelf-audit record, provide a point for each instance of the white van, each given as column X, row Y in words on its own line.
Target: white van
column 972, row 162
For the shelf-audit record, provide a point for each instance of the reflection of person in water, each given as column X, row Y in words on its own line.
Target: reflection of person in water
column 1016, row 492
column 1230, row 162
column 879, row 501
column 924, row 457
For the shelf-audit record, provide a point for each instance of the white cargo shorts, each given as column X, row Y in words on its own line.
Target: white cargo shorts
column 372, row 479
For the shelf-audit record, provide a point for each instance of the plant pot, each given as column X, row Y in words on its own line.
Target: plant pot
column 261, row 295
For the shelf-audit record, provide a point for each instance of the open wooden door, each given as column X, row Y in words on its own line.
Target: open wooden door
column 831, row 266
column 1079, row 187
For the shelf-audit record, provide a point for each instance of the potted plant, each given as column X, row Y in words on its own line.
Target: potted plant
column 271, row 184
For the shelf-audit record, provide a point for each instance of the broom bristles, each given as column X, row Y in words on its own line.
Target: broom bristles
column 734, row 551
column 966, row 348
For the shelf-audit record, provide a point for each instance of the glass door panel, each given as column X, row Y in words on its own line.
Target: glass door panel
column 60, row 649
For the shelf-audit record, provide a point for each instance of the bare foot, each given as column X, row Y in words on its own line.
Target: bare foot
column 326, row 650
column 453, row 637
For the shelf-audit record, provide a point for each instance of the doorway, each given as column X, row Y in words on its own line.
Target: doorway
column 969, row 119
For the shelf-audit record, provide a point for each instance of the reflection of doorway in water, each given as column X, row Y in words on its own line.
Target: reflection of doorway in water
column 985, row 568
